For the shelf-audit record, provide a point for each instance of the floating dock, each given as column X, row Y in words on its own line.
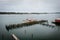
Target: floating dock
column 25, row 24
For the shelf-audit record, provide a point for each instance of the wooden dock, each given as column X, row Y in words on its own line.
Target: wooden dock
column 25, row 24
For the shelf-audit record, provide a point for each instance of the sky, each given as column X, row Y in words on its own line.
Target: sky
column 29, row 5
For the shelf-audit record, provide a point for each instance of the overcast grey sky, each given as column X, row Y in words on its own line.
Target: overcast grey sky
column 29, row 5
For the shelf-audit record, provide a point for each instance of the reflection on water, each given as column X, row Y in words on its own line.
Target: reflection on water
column 40, row 32
column 32, row 32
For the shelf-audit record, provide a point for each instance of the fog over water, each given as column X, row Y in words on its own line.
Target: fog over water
column 30, row 5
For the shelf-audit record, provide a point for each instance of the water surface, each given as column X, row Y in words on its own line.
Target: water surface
column 37, row 31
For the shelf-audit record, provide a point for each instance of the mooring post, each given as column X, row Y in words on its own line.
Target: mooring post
column 32, row 36
column 47, row 22
column 25, row 32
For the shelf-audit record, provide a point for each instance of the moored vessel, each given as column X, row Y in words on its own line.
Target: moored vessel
column 57, row 21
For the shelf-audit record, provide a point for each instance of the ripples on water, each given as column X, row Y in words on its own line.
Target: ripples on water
column 32, row 32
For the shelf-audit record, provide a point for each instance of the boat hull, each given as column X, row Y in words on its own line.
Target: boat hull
column 56, row 23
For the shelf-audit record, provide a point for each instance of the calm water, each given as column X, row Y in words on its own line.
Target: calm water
column 32, row 32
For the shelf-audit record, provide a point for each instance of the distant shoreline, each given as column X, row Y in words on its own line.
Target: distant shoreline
column 26, row 13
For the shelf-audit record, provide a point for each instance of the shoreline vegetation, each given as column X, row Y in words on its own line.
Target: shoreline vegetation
column 26, row 13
